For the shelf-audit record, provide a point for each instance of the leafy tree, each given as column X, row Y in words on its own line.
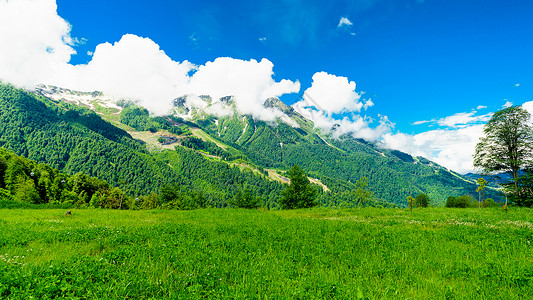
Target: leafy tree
column 299, row 193
column 489, row 202
column 95, row 201
column 450, row 202
column 26, row 192
column 149, row 202
column 422, row 200
column 362, row 194
column 507, row 144
column 463, row 201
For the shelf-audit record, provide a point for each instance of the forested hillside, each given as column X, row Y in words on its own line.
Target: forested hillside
column 28, row 182
column 214, row 156
column 337, row 162
column 75, row 139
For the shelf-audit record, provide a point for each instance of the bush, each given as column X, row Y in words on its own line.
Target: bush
column 463, row 201
column 489, row 203
column 422, row 200
column 450, row 202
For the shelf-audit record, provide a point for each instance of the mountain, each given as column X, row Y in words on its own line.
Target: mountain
column 337, row 162
column 207, row 144
column 496, row 179
column 73, row 139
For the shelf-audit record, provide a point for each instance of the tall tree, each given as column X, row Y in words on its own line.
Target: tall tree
column 299, row 193
column 507, row 144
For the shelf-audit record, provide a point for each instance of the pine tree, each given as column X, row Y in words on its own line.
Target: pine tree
column 299, row 193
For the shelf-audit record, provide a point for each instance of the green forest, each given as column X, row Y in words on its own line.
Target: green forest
column 122, row 172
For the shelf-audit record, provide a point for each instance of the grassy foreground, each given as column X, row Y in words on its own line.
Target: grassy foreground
column 224, row 253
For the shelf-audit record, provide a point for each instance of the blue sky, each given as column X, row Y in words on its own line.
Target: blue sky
column 427, row 73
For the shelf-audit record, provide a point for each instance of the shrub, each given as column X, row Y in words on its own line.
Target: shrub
column 463, row 201
column 422, row 200
column 489, row 203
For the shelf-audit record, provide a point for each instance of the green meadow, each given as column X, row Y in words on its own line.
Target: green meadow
column 369, row 253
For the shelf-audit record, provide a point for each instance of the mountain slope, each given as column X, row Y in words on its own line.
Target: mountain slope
column 276, row 145
column 75, row 139
column 337, row 162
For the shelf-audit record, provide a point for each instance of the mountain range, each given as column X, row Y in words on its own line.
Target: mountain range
column 208, row 145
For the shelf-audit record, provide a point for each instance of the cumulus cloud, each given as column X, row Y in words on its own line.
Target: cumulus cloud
column 37, row 47
column 344, row 22
column 133, row 67
column 333, row 94
column 250, row 82
column 463, row 119
column 35, row 41
column 355, row 125
column 330, row 95
column 529, row 107
column 452, row 148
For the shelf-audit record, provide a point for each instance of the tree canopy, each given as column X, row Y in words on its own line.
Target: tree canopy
column 507, row 144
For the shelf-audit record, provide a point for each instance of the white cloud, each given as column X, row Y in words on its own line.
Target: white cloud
column 250, row 82
column 262, row 39
column 368, row 103
column 423, row 122
column 452, row 148
column 458, row 120
column 356, row 126
column 463, row 119
column 330, row 94
column 517, row 85
column 35, row 41
column 37, row 47
column 507, row 104
column 344, row 22
column 333, row 94
column 481, row 107
column 133, row 67
column 529, row 107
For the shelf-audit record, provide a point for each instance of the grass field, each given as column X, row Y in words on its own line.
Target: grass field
column 369, row 253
